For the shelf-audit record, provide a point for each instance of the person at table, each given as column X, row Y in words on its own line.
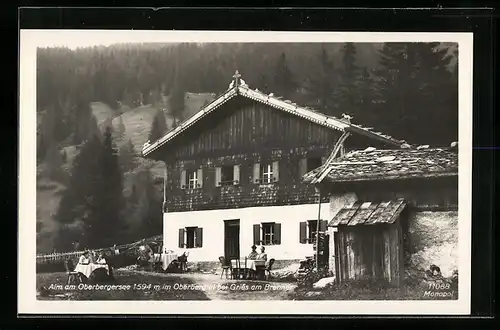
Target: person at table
column 84, row 258
column 262, row 255
column 101, row 259
column 253, row 255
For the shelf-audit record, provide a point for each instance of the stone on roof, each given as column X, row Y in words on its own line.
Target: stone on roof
column 374, row 164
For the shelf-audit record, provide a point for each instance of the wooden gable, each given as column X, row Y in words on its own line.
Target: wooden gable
column 244, row 126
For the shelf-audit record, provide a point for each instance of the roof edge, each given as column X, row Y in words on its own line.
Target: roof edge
column 148, row 149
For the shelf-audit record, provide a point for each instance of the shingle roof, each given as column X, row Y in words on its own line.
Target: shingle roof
column 242, row 89
column 374, row 164
column 368, row 213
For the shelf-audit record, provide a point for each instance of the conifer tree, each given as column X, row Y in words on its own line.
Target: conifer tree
column 347, row 94
column 127, row 156
column 107, row 223
column 158, row 126
column 284, row 82
column 413, row 85
column 322, row 83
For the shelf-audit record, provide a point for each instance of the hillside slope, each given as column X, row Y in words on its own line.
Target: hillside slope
column 137, row 124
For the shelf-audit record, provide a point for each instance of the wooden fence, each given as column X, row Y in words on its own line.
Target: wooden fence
column 127, row 255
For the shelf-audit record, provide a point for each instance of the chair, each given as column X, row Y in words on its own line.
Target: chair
column 225, row 267
column 245, row 270
column 235, row 271
column 72, row 275
column 269, row 268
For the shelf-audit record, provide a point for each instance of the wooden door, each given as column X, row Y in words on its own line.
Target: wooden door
column 231, row 239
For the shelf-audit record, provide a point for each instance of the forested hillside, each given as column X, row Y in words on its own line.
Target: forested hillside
column 108, row 101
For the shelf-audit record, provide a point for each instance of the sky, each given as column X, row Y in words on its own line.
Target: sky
column 86, row 38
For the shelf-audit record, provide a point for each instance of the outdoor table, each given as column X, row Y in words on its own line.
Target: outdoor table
column 87, row 269
column 166, row 259
column 251, row 264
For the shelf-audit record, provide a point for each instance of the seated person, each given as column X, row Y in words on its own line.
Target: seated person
column 101, row 259
column 262, row 255
column 253, row 255
column 84, row 258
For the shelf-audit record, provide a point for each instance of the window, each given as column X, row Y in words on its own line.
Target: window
column 308, row 232
column 190, row 237
column 267, row 233
column 313, row 163
column 312, row 231
column 191, row 179
column 265, row 173
column 227, row 175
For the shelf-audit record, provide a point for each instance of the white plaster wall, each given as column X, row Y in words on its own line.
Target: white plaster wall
column 212, row 222
column 434, row 240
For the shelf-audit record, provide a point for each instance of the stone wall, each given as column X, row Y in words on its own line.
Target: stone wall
column 432, row 240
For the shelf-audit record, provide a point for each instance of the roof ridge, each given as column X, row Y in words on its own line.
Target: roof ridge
column 239, row 87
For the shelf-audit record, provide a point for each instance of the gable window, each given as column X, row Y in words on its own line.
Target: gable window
column 191, row 237
column 265, row 173
column 267, row 233
column 191, row 178
column 308, row 231
column 227, row 175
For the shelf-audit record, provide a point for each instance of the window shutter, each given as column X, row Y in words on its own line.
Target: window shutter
column 181, row 237
column 199, row 178
column 218, row 176
column 302, row 167
column 303, row 232
column 322, row 225
column 256, row 234
column 183, row 179
column 236, row 174
column 277, row 233
column 256, row 173
column 199, row 237
column 276, row 170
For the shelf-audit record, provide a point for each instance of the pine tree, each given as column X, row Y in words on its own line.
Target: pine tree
column 127, row 157
column 82, row 114
column 54, row 162
column 347, row 94
column 106, row 224
column 94, row 130
column 321, row 84
column 176, row 103
column 92, row 205
column 413, row 85
column 144, row 205
column 284, row 82
column 158, row 126
column 78, row 200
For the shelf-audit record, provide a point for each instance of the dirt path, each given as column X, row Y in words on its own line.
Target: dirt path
column 216, row 288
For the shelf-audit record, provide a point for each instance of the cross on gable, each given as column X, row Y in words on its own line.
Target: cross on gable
column 237, row 77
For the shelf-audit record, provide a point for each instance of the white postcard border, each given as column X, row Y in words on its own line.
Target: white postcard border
column 27, row 302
